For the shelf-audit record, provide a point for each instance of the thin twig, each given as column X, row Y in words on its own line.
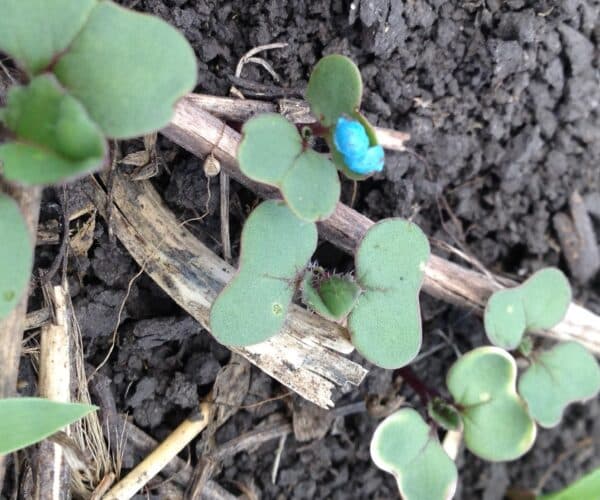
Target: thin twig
column 51, row 479
column 159, row 458
column 224, row 212
column 252, row 52
column 193, row 128
column 294, row 110
column 277, row 460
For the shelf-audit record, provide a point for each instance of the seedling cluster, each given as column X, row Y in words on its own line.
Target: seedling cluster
column 497, row 410
column 90, row 75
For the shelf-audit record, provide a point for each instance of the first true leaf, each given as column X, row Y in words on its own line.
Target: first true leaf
column 54, row 137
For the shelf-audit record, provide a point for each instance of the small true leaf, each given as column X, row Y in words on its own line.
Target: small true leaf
column 406, row 447
column 444, row 414
column 271, row 152
column 556, row 378
column 385, row 324
column 333, row 297
column 497, row 426
column 276, row 246
column 128, row 69
column 334, row 89
column 34, row 32
column 16, row 255
column 539, row 303
column 55, row 138
column 25, row 421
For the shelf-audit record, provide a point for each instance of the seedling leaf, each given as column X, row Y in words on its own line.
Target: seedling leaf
column 311, row 187
column 276, row 246
column 128, row 69
column 339, row 160
column 546, row 298
column 505, row 319
column 334, row 89
column 404, row 446
column 497, row 426
column 333, row 297
column 444, row 414
column 586, row 488
column 15, row 255
column 558, row 377
column 33, row 48
column 271, row 152
column 385, row 324
column 269, row 146
column 539, row 303
column 25, row 421
column 68, row 144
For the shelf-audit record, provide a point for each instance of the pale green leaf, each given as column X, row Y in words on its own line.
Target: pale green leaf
column 128, row 69
column 406, row 447
column 16, row 255
column 557, row 377
column 334, row 88
column 497, row 426
column 35, row 32
column 385, row 324
column 276, row 247
column 25, row 421
column 54, row 136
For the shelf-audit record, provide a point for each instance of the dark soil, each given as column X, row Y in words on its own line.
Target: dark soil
column 502, row 99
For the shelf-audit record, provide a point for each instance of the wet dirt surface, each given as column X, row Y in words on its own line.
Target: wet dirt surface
column 502, row 99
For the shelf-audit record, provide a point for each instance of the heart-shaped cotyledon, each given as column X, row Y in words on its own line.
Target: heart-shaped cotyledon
column 276, row 247
column 385, row 324
column 272, row 152
column 405, row 446
column 541, row 302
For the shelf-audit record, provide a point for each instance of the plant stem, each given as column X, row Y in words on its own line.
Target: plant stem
column 424, row 392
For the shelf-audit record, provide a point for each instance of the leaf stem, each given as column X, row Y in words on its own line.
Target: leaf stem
column 422, row 390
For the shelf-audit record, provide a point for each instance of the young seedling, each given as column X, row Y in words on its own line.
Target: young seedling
column 385, row 324
column 16, row 255
column 93, row 73
column 334, row 93
column 272, row 152
column 405, row 446
column 497, row 426
column 539, row 303
column 331, row 296
column 557, row 377
column 276, row 247
column 25, row 421
column 94, row 70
